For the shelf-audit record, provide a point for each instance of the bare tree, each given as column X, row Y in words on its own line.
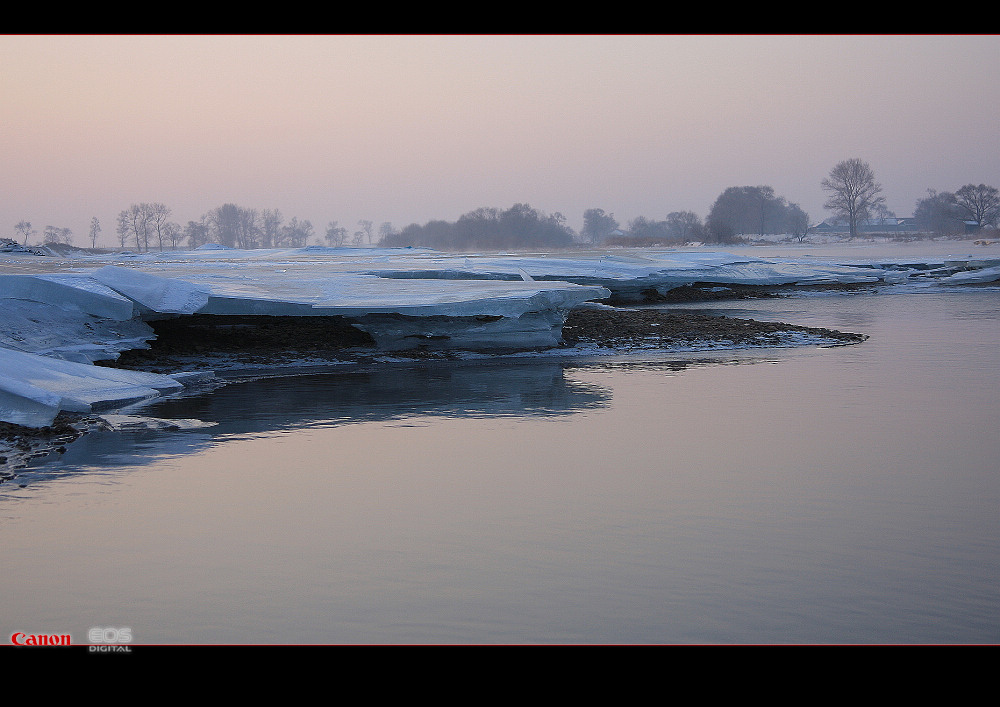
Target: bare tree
column 597, row 225
column 134, row 222
column 365, row 233
column 978, row 203
column 24, row 228
column 157, row 215
column 683, row 225
column 196, row 233
column 122, row 228
column 223, row 224
column 386, row 231
column 854, row 193
column 54, row 234
column 746, row 210
column 248, row 229
column 141, row 221
column 295, row 233
column 336, row 234
column 238, row 227
column 95, row 230
column 270, row 227
column 174, row 234
column 797, row 222
column 938, row 213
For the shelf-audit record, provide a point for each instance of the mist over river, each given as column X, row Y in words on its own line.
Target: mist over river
column 804, row 495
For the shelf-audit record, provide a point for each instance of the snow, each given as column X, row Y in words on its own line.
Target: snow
column 60, row 314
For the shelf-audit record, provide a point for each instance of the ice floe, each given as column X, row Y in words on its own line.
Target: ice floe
column 35, row 388
column 58, row 315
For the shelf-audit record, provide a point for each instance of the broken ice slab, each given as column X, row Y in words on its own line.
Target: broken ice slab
column 61, row 332
column 34, row 388
column 154, row 294
column 973, row 277
column 69, row 291
column 25, row 404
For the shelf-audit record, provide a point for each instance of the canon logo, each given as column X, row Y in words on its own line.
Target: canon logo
column 30, row 639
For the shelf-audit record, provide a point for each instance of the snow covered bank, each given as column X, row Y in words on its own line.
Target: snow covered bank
column 54, row 326
column 59, row 315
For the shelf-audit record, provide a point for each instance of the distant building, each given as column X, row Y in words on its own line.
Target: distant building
column 834, row 226
column 890, row 224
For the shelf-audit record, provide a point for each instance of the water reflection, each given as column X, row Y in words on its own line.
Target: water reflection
column 395, row 392
column 483, row 389
column 838, row 495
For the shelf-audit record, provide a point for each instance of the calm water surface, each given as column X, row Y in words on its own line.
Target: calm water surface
column 810, row 495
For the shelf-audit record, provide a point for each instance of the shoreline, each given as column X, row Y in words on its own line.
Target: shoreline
column 290, row 346
column 240, row 343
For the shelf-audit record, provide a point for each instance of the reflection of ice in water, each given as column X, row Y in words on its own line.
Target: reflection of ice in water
column 482, row 389
column 395, row 392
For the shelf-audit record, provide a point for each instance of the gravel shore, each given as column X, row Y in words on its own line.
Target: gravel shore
column 659, row 328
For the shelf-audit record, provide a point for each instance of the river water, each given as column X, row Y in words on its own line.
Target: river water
column 836, row 495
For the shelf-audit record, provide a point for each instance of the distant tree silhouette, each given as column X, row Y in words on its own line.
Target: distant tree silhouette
column 25, row 230
column 597, row 225
column 979, row 203
column 95, row 231
column 336, row 234
column 938, row 213
column 487, row 228
column 752, row 210
column 854, row 193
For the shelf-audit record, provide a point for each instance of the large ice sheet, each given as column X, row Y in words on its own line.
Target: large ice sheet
column 315, row 274
column 52, row 325
column 476, row 314
column 69, row 316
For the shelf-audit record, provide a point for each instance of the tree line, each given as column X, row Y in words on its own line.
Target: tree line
column 853, row 196
column 146, row 225
column 951, row 213
column 520, row 226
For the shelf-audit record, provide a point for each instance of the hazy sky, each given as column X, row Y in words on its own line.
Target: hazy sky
column 412, row 128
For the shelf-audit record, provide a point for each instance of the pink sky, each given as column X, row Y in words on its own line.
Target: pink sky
column 412, row 128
